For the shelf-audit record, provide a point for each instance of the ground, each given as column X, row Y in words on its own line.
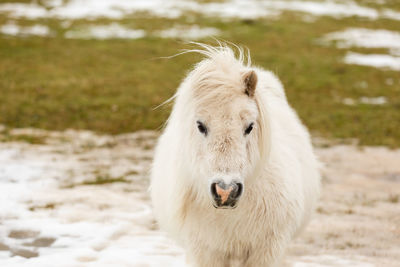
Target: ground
column 82, row 198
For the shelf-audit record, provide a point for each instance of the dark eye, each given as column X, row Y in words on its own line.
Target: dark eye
column 202, row 128
column 249, row 129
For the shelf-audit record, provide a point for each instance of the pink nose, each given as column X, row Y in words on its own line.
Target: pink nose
column 226, row 195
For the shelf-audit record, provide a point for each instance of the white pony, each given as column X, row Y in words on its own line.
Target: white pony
column 234, row 177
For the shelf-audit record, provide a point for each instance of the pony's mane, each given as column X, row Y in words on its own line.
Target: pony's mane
column 224, row 57
column 219, row 77
column 224, row 50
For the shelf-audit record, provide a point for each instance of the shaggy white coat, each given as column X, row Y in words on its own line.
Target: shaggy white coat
column 275, row 162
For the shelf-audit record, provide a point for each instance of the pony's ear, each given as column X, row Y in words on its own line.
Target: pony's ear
column 250, row 82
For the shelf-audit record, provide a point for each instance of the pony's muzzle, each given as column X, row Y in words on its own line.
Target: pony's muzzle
column 226, row 195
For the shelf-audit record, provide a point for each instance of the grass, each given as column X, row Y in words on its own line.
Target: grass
column 112, row 86
column 6, row 136
column 31, row 139
column 105, row 179
column 100, row 180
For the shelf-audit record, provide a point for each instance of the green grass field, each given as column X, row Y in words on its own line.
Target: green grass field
column 112, row 86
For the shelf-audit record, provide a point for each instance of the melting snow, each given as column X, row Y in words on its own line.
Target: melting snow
column 329, row 260
column 326, row 8
column 236, row 9
column 102, row 32
column 42, row 198
column 191, row 33
column 15, row 30
column 360, row 37
column 18, row 10
column 373, row 60
column 380, row 100
column 391, row 14
column 117, row 9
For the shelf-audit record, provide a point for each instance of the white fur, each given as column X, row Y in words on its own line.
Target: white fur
column 275, row 162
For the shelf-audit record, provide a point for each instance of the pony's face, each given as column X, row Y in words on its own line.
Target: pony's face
column 226, row 133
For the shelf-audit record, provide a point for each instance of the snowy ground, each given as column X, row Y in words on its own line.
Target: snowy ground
column 81, row 199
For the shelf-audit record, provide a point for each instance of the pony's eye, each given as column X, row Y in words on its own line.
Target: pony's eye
column 249, row 129
column 202, row 128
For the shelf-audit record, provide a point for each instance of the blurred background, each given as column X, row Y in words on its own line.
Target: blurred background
column 79, row 81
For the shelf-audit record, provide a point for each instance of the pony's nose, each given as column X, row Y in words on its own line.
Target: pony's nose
column 226, row 195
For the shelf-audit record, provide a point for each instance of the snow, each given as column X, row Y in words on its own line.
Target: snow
column 328, row 260
column 90, row 9
column 103, row 32
column 391, row 14
column 116, row 30
column 374, row 60
column 361, row 37
column 15, row 30
column 248, row 9
column 236, row 9
column 42, row 196
column 349, row 101
column 190, row 33
column 380, row 100
column 368, row 38
column 18, row 10
column 326, row 8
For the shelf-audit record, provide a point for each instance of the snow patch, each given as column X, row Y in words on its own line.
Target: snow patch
column 360, row 37
column 389, row 81
column 327, row 8
column 237, row 9
column 391, row 14
column 190, row 33
column 329, row 260
column 380, row 100
column 15, row 30
column 373, row 60
column 102, row 32
column 16, row 10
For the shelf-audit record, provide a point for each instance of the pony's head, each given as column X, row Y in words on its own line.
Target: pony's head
column 222, row 110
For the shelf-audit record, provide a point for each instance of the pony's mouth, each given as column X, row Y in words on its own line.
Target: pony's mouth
column 225, row 206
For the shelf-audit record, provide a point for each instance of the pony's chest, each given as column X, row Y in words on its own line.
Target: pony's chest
column 238, row 230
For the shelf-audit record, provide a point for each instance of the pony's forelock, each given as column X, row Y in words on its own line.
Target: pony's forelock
column 223, row 49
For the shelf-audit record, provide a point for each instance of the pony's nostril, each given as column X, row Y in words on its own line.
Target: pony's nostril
column 214, row 190
column 239, row 190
